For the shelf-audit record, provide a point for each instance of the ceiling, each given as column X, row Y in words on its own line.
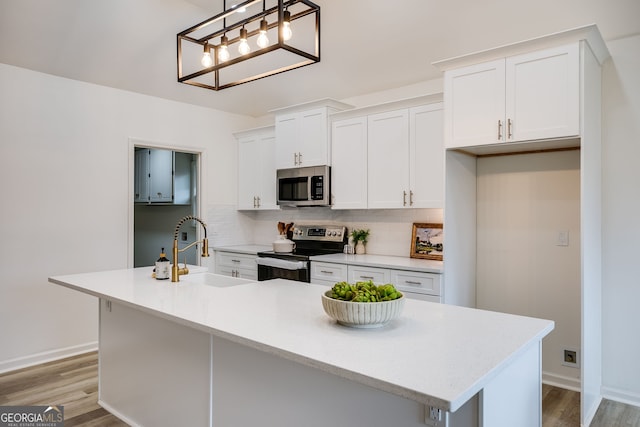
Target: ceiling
column 367, row 45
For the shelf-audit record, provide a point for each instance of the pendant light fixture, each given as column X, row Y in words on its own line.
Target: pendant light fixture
column 206, row 60
column 269, row 24
column 263, row 40
column 286, row 26
column 223, row 49
column 243, row 47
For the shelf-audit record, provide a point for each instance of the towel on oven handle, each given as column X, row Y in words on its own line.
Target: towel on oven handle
column 281, row 263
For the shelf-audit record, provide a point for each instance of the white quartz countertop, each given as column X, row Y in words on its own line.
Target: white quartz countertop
column 244, row 249
column 435, row 354
column 383, row 261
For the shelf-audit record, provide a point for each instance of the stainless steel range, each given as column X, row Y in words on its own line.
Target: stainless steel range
column 309, row 240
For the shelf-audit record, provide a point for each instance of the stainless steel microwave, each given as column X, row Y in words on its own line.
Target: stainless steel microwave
column 305, row 186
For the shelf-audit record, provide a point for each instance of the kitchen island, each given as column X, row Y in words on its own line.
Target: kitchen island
column 221, row 351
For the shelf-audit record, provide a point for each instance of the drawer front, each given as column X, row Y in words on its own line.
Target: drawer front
column 230, row 259
column 414, row 282
column 322, row 271
column 379, row 276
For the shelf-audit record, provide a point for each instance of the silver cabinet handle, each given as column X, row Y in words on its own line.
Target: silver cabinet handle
column 499, row 130
column 410, row 198
column 411, row 282
column 367, row 277
column 295, row 159
column 254, row 201
column 404, row 198
column 235, row 260
column 509, row 126
column 258, row 200
column 326, row 272
column 299, row 158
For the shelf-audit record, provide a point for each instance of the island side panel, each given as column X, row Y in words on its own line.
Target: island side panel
column 514, row 397
column 153, row 372
column 255, row 388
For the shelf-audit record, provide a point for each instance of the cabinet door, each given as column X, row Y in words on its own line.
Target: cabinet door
column 287, row 141
column 543, row 94
column 349, row 165
column 248, row 172
column 141, row 190
column 267, row 178
column 388, row 159
column 160, row 176
column 313, row 138
column 474, row 105
column 257, row 171
column 426, row 156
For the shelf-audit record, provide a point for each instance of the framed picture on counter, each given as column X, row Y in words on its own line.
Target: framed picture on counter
column 427, row 241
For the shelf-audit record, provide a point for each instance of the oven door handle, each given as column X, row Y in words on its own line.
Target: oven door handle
column 281, row 263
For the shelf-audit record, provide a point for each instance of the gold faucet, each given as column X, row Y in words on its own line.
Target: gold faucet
column 176, row 271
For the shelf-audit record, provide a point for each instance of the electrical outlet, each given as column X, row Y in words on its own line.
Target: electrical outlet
column 570, row 357
column 435, row 417
column 563, row 238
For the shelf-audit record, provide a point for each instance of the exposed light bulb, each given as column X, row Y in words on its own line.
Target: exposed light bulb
column 286, row 26
column 244, row 47
column 223, row 54
column 223, row 51
column 263, row 40
column 206, row 60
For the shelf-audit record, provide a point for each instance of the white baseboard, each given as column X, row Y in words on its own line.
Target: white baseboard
column 621, row 396
column 47, row 356
column 117, row 414
column 561, row 381
column 590, row 412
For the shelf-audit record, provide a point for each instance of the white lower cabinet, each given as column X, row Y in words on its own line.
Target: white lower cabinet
column 326, row 273
column 414, row 284
column 236, row 265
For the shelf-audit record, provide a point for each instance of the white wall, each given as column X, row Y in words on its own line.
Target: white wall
column 523, row 202
column 621, row 226
column 64, row 168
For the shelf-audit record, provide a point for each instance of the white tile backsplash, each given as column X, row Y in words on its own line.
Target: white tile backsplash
column 390, row 228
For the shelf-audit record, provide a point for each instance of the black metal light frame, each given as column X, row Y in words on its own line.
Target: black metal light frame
column 307, row 58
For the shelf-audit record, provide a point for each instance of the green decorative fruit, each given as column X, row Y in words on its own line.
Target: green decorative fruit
column 364, row 292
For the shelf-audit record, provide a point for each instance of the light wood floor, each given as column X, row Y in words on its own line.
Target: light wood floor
column 73, row 383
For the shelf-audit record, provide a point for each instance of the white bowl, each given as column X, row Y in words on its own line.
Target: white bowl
column 362, row 314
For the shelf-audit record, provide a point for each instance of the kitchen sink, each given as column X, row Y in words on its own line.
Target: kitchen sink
column 216, row 280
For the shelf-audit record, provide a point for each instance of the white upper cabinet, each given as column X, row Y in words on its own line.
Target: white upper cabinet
column 543, row 94
column 524, row 97
column 349, row 163
column 426, row 156
column 256, row 169
column 388, row 160
column 302, row 134
column 386, row 157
